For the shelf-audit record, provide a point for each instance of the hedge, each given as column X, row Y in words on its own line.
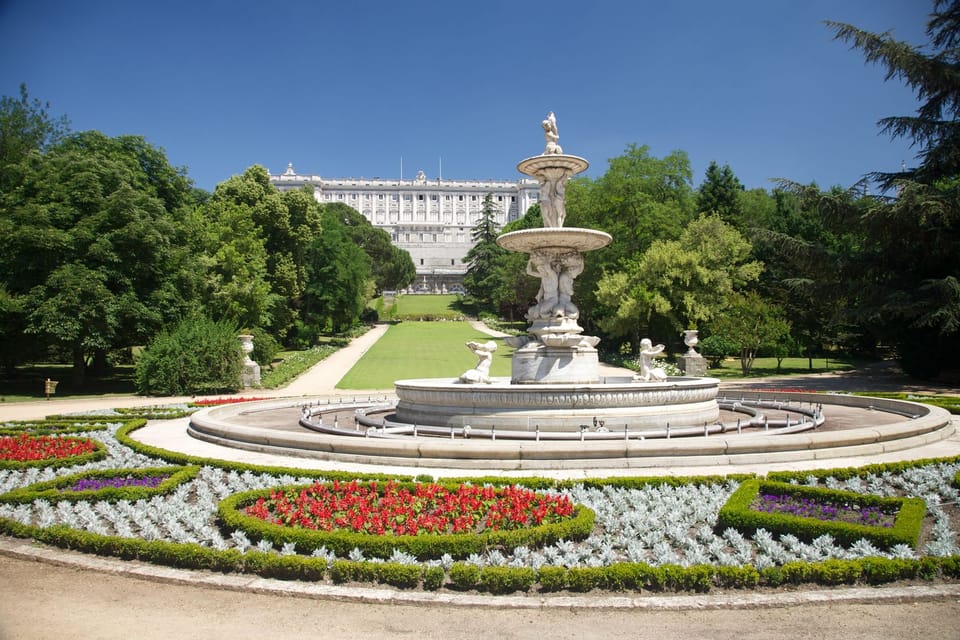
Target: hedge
column 737, row 513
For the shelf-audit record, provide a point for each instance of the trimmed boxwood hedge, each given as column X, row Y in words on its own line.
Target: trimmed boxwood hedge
column 52, row 490
column 50, row 427
column 422, row 546
column 737, row 513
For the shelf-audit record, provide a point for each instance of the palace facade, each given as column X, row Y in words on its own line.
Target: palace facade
column 431, row 219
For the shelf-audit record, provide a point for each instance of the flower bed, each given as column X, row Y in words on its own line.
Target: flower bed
column 215, row 402
column 108, row 484
column 25, row 449
column 870, row 515
column 426, row 520
column 811, row 512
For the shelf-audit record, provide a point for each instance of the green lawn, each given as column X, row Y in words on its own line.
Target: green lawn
column 730, row 368
column 422, row 350
column 413, row 307
column 28, row 382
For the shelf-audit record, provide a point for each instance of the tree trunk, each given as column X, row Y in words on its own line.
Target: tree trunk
column 79, row 372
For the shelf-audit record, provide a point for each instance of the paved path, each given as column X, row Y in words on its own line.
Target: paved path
column 88, row 597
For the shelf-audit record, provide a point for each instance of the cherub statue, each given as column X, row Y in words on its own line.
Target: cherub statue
column 481, row 372
column 551, row 135
column 649, row 372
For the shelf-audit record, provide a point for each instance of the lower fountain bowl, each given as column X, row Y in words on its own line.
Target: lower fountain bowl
column 618, row 402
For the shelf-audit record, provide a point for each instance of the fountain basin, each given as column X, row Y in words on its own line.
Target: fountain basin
column 558, row 407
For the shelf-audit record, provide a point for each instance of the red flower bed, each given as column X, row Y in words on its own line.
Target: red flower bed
column 210, row 402
column 25, row 447
column 396, row 510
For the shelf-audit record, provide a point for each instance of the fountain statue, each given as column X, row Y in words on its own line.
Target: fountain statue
column 555, row 382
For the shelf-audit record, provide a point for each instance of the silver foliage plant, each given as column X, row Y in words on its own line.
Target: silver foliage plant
column 657, row 525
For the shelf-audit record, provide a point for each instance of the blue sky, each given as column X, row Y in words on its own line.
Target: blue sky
column 345, row 89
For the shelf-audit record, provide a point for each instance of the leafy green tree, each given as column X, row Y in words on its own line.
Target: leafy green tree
column 339, row 281
column 392, row 266
column 516, row 290
column 752, row 324
column 284, row 225
column 480, row 279
column 639, row 199
column 26, row 126
column 685, row 281
column 93, row 247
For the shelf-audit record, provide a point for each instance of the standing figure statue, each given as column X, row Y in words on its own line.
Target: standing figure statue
column 571, row 265
column 648, row 371
column 551, row 135
column 540, row 265
column 553, row 186
column 481, row 372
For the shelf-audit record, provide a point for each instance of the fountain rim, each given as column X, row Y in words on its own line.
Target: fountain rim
column 566, row 238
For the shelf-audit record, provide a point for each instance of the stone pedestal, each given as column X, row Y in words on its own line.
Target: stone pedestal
column 693, row 366
column 250, row 377
column 538, row 363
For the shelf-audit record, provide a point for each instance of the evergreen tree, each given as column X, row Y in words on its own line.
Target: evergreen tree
column 934, row 73
column 720, row 194
column 481, row 279
column 898, row 254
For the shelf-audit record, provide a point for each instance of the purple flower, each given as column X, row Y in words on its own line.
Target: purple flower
column 810, row 508
column 96, row 484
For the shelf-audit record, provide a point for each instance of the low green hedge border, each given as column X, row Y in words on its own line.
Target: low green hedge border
column 99, row 453
column 624, row 577
column 51, row 427
column 846, row 473
column 737, row 513
column 175, row 457
column 423, row 546
column 52, row 489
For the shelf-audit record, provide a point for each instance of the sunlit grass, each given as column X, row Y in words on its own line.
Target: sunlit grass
column 422, row 350
column 762, row 367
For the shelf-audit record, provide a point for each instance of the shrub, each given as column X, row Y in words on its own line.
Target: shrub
column 195, row 357
column 464, row 576
column 265, row 348
column 433, row 578
column 500, row 580
column 715, row 348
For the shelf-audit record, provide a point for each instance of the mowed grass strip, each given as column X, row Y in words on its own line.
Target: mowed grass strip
column 422, row 350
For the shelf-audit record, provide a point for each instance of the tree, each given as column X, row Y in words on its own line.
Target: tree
column 26, row 126
column 339, row 281
column 516, row 290
column 480, row 279
column 720, row 194
column 907, row 290
column 751, row 323
column 392, row 266
column 93, row 248
column 685, row 281
column 639, row 199
column 935, row 129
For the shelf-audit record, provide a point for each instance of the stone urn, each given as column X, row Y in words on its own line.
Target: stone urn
column 251, row 370
column 691, row 340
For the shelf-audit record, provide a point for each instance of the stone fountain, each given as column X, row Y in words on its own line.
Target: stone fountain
column 556, row 411
column 555, row 383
